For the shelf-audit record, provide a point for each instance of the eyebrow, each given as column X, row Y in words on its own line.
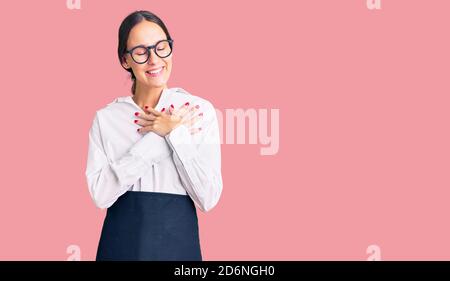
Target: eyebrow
column 145, row 45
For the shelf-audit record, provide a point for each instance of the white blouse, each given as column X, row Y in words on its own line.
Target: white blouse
column 122, row 159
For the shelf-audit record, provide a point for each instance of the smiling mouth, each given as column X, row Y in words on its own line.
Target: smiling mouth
column 155, row 72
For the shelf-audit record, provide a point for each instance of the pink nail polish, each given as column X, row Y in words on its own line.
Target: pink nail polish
column 138, row 129
column 146, row 106
column 171, row 106
column 200, row 114
column 197, row 106
column 162, row 110
column 186, row 103
column 136, row 113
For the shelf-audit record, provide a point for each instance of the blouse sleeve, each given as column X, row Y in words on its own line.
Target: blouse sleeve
column 198, row 159
column 108, row 179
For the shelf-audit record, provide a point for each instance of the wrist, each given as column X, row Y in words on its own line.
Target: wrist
column 173, row 126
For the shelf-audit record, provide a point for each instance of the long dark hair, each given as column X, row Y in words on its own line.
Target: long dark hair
column 124, row 30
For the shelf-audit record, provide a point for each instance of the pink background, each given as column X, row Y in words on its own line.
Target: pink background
column 364, row 123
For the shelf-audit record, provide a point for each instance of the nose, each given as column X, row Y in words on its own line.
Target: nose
column 153, row 58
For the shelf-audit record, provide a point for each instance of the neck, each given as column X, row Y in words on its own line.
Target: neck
column 147, row 95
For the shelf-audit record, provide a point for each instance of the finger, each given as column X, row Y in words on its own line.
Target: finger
column 144, row 116
column 194, row 119
column 181, row 111
column 192, row 111
column 195, row 130
column 152, row 110
column 145, row 129
column 171, row 109
column 188, row 116
column 143, row 122
column 148, row 117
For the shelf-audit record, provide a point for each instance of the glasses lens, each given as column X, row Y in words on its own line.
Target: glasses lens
column 163, row 49
column 140, row 54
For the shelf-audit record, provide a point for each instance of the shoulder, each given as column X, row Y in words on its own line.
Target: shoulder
column 117, row 104
column 112, row 111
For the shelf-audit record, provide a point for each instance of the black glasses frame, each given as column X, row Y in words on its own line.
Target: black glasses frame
column 170, row 41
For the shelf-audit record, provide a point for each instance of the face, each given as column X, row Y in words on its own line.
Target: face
column 148, row 34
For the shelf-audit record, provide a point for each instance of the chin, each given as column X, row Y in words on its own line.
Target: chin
column 159, row 83
column 153, row 82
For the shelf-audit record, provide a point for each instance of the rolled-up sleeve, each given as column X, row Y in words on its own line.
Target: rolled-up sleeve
column 198, row 159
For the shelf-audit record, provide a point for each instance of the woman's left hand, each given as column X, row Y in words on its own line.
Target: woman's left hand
column 163, row 123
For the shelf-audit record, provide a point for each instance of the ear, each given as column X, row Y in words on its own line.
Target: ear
column 125, row 62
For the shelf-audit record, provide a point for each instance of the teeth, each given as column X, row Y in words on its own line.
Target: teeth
column 155, row 71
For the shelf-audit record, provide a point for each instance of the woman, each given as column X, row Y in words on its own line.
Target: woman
column 152, row 155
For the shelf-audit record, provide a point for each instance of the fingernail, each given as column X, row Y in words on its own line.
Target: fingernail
column 135, row 121
column 186, row 103
column 162, row 110
column 136, row 113
column 200, row 114
column 197, row 106
column 146, row 106
column 171, row 105
column 138, row 129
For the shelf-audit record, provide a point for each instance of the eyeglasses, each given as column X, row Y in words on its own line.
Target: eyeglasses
column 141, row 54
